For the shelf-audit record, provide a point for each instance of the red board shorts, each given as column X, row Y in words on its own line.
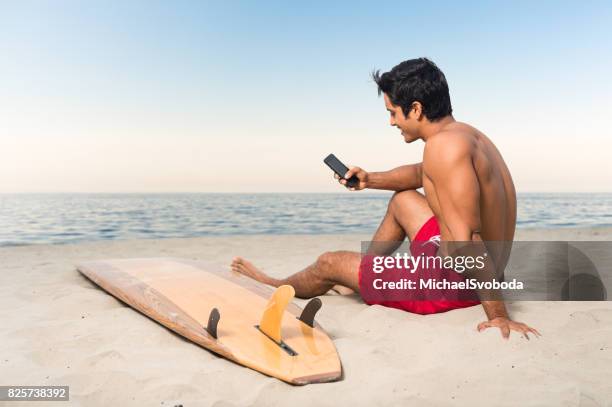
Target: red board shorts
column 426, row 242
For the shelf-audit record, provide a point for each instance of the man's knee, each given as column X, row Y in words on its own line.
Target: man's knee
column 329, row 263
column 410, row 210
column 326, row 261
column 333, row 267
column 403, row 198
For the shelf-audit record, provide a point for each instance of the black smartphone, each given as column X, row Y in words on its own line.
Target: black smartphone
column 340, row 169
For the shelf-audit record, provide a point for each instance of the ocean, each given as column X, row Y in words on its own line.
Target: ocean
column 70, row 218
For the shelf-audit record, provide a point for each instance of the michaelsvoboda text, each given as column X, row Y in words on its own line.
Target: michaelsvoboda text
column 459, row 264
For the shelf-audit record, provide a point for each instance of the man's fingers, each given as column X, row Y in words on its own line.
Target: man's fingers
column 525, row 329
column 506, row 327
column 352, row 171
column 535, row 331
column 336, row 176
column 505, row 330
column 483, row 325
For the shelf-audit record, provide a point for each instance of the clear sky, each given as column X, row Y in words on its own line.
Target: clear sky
column 127, row 96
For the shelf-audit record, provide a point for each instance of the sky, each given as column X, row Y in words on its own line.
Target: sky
column 146, row 96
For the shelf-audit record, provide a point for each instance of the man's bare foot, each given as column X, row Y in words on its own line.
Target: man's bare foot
column 247, row 268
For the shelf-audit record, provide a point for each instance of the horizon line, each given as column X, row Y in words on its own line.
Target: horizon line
column 369, row 192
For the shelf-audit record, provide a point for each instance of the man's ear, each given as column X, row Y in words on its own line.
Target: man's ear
column 417, row 110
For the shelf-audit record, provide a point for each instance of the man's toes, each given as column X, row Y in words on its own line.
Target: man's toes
column 238, row 264
column 240, row 269
column 245, row 263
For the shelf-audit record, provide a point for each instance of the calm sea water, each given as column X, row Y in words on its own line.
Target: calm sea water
column 67, row 218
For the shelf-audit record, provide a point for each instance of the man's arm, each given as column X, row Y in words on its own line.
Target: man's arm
column 398, row 179
column 458, row 190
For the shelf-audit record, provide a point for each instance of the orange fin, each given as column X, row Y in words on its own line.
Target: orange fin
column 273, row 314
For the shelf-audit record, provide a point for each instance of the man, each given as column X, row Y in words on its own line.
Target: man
column 469, row 193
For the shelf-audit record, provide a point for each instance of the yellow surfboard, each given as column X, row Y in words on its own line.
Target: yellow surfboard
column 226, row 312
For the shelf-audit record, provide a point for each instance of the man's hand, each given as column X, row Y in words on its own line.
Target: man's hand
column 506, row 325
column 361, row 175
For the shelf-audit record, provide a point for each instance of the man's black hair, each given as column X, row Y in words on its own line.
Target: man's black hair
column 416, row 80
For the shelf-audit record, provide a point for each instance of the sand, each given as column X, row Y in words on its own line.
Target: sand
column 59, row 329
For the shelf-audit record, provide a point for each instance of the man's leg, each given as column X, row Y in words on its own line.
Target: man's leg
column 406, row 213
column 331, row 268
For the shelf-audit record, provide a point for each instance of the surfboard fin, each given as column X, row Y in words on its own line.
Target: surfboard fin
column 213, row 321
column 273, row 314
column 310, row 310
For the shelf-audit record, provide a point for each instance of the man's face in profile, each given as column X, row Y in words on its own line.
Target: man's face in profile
column 403, row 123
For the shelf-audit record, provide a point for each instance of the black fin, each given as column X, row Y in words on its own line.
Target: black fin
column 213, row 320
column 309, row 312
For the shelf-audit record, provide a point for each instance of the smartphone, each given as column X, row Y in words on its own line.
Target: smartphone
column 340, row 169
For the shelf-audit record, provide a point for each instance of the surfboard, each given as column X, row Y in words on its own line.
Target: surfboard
column 225, row 312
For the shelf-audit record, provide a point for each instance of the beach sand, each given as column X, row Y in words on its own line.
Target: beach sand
column 60, row 329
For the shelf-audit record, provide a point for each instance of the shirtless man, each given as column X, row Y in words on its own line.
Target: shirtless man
column 469, row 194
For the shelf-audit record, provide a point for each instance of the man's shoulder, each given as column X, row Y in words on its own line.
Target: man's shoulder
column 449, row 144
